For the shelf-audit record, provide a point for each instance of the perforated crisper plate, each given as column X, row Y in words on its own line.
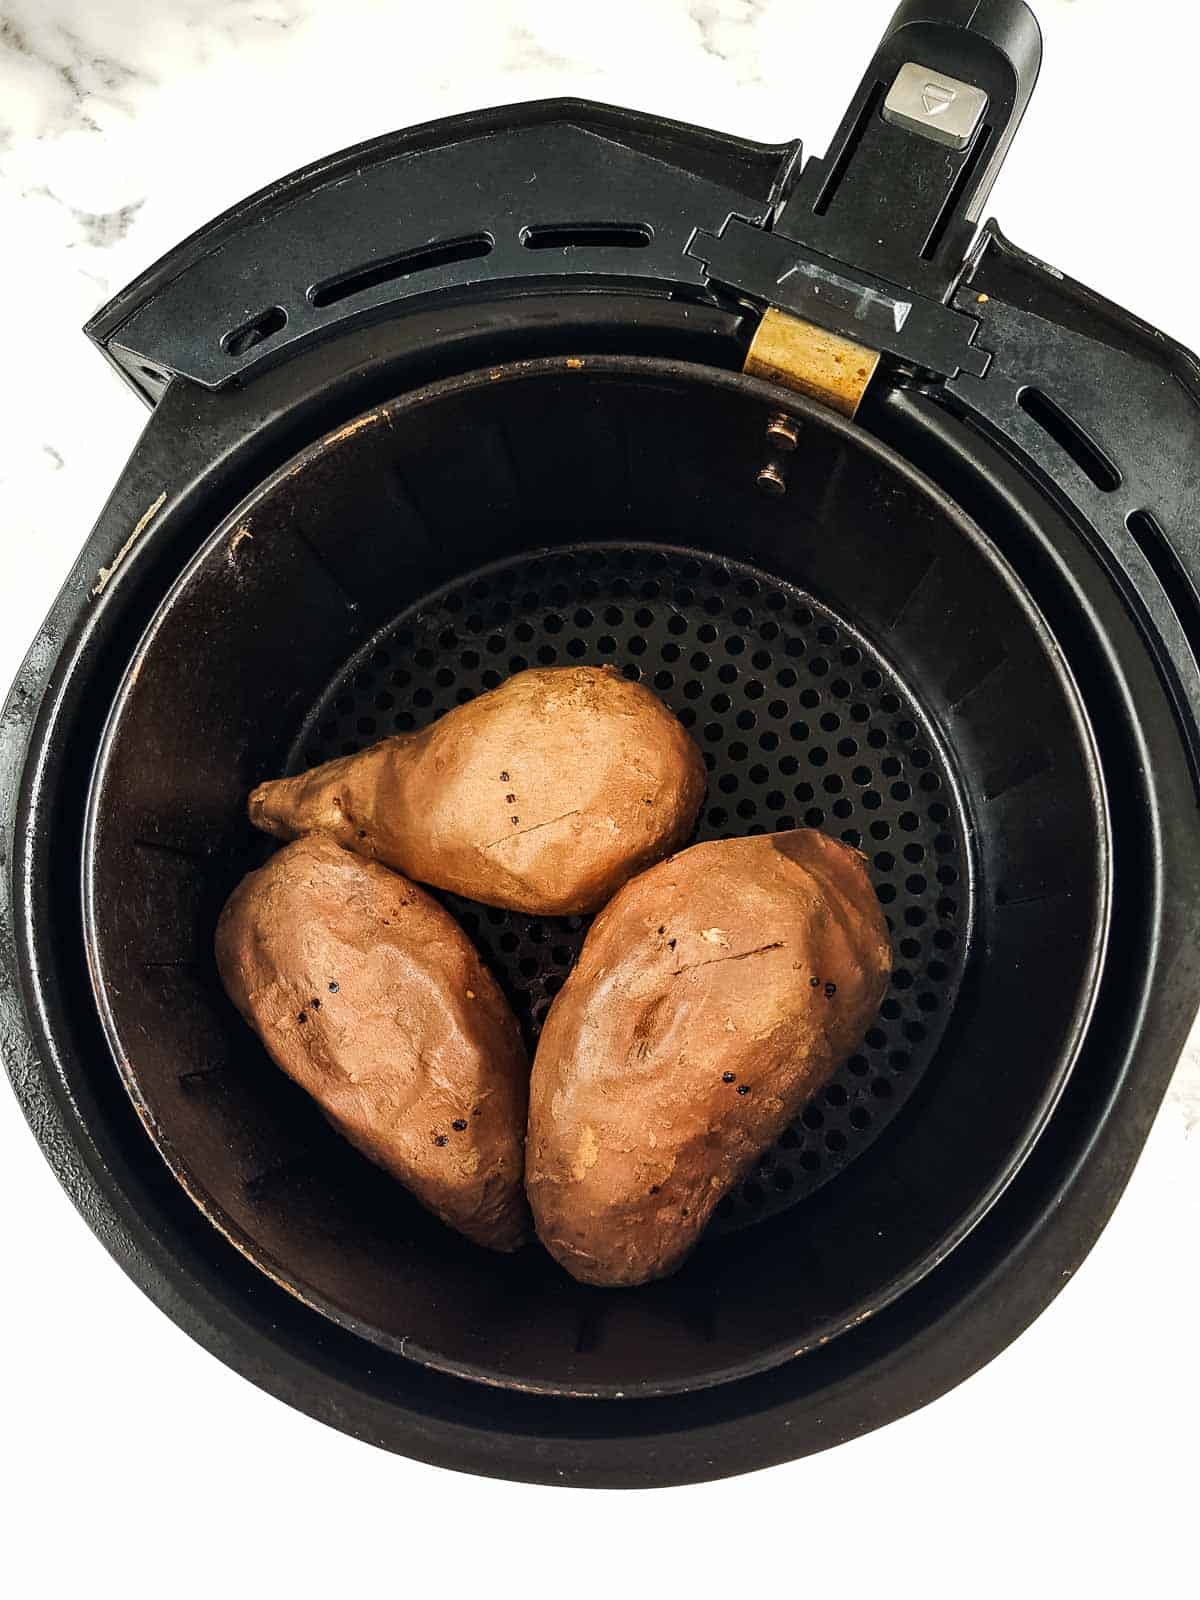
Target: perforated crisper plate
column 802, row 724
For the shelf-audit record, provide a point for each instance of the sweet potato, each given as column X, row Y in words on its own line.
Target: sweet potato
column 367, row 993
column 713, row 995
column 544, row 795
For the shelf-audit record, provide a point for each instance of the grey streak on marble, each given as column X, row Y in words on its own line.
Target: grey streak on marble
column 526, row 53
column 103, row 228
column 112, row 74
column 712, row 18
column 15, row 39
column 83, row 71
column 12, row 36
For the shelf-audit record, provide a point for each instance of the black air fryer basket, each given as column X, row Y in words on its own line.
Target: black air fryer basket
column 899, row 521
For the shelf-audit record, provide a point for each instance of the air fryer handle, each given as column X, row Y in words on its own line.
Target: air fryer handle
column 904, row 181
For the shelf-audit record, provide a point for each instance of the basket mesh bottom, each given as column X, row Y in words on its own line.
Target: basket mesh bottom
column 801, row 723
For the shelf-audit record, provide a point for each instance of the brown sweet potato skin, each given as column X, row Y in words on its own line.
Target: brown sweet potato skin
column 368, row 994
column 713, row 995
column 544, row 795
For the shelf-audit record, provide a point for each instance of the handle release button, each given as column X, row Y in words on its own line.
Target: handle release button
column 938, row 107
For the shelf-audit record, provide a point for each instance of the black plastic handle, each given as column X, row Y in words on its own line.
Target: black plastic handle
column 897, row 200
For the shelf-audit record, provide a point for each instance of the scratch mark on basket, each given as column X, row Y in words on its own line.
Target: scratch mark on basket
column 962, row 685
column 256, row 1186
column 348, row 430
column 139, row 528
column 412, row 519
column 589, row 1330
column 199, row 1075
column 239, row 539
column 186, row 852
column 321, row 561
column 1029, row 764
column 926, row 573
column 507, row 458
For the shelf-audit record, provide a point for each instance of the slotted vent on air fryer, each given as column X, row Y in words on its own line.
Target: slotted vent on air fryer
column 801, row 724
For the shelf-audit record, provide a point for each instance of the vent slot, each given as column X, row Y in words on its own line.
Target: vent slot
column 846, row 155
column 587, row 236
column 1170, row 572
column 425, row 258
column 1148, row 535
column 960, row 186
column 260, row 328
column 1069, row 436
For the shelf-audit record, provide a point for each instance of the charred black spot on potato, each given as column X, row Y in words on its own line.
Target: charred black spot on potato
column 510, row 799
column 333, row 988
column 727, row 1077
column 459, row 1124
column 743, row 1088
column 440, row 1139
column 654, row 1188
column 302, row 1016
column 504, row 778
column 814, row 983
column 830, row 990
column 315, row 1003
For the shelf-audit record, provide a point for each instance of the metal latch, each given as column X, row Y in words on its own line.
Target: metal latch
column 811, row 360
column 777, row 271
column 865, row 247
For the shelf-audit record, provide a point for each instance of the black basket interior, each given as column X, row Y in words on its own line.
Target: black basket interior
column 854, row 656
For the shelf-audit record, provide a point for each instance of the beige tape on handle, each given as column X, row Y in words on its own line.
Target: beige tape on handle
column 828, row 368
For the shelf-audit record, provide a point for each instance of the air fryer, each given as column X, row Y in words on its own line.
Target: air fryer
column 899, row 521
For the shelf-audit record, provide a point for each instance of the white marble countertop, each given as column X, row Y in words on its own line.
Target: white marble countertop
column 125, row 124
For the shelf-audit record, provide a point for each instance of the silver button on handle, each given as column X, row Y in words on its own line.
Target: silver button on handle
column 941, row 108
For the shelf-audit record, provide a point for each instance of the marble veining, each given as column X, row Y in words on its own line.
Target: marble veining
column 726, row 31
column 65, row 71
column 102, row 228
